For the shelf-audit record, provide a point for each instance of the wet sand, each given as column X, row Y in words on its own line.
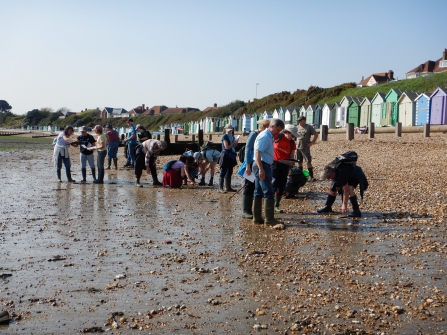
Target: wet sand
column 160, row 261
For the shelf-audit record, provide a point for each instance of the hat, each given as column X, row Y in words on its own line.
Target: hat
column 197, row 156
column 109, row 126
column 264, row 122
column 302, row 117
column 229, row 126
column 84, row 129
column 292, row 129
column 138, row 126
column 129, row 120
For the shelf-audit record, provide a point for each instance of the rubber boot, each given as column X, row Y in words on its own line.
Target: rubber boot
column 211, row 182
column 311, row 174
column 115, row 162
column 277, row 200
column 155, row 179
column 228, row 185
column 109, row 161
column 100, row 179
column 269, row 212
column 137, row 184
column 94, row 174
column 329, row 202
column 202, row 182
column 84, row 176
column 247, row 204
column 68, row 172
column 221, row 185
column 257, row 210
column 59, row 176
column 355, row 208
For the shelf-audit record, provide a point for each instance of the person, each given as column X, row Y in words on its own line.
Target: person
column 304, row 143
column 86, row 155
column 227, row 159
column 101, row 148
column 146, row 156
column 143, row 134
column 131, row 142
column 284, row 147
column 113, row 142
column 191, row 170
column 207, row 160
column 173, row 177
column 263, row 173
column 61, row 154
column 361, row 130
column 249, row 187
column 345, row 178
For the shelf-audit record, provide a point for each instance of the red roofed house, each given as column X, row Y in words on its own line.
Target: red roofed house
column 429, row 67
column 140, row 110
column 377, row 78
column 207, row 109
column 156, row 110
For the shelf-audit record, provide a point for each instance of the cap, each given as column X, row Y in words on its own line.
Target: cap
column 197, row 156
column 129, row 120
column 109, row 126
column 138, row 126
column 302, row 117
column 292, row 129
column 264, row 122
column 229, row 126
column 84, row 129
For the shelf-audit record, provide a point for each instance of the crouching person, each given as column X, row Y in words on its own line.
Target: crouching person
column 345, row 178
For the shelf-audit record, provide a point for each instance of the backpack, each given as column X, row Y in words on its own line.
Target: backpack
column 168, row 165
column 188, row 152
column 241, row 154
column 207, row 145
column 349, row 157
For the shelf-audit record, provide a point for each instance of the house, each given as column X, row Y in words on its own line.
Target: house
column 422, row 109
column 365, row 112
column 109, row 112
column 65, row 114
column 429, row 67
column 438, row 106
column 208, row 109
column 376, row 108
column 156, row 110
column 353, row 111
column 376, row 79
column 140, row 110
column 407, row 108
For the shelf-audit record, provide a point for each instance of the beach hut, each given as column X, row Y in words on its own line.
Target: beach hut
column 353, row 114
column 365, row 112
column 254, row 119
column 275, row 114
column 438, row 106
column 422, row 109
column 310, row 114
column 267, row 115
column 246, row 122
column 390, row 109
column 326, row 114
column 407, row 108
column 376, row 108
column 281, row 113
column 295, row 113
column 303, row 110
column 318, row 114
column 288, row 116
column 342, row 111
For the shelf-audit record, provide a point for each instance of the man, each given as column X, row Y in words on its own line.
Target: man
column 263, row 173
column 346, row 177
column 113, row 141
column 131, row 142
column 207, row 160
column 147, row 154
column 304, row 143
column 86, row 140
column 249, row 187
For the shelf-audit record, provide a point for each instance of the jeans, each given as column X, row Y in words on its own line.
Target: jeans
column 87, row 158
column 66, row 161
column 131, row 154
column 112, row 149
column 100, row 159
column 263, row 188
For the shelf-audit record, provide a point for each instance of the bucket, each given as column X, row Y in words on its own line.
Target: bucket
column 306, row 174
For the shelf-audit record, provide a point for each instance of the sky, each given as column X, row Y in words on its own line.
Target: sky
column 106, row 53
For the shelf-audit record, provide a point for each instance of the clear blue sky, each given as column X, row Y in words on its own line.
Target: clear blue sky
column 106, row 53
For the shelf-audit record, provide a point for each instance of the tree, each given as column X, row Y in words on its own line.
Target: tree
column 4, row 106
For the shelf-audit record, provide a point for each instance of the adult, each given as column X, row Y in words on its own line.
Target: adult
column 86, row 155
column 284, row 147
column 101, row 148
column 249, row 187
column 131, row 141
column 146, row 157
column 174, row 176
column 345, row 177
column 263, row 173
column 113, row 142
column 143, row 134
column 191, row 170
column 207, row 160
column 61, row 154
column 306, row 131
column 227, row 159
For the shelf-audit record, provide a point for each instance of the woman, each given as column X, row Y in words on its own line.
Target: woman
column 113, row 142
column 143, row 134
column 284, row 147
column 60, row 153
column 146, row 156
column 174, row 175
column 101, row 147
column 86, row 154
column 227, row 159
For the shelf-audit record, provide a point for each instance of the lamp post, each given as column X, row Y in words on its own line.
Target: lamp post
column 256, row 96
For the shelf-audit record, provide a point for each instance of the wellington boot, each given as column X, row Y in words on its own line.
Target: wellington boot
column 59, row 176
column 211, row 182
column 355, row 208
column 329, row 202
column 115, row 162
column 68, row 173
column 277, row 200
column 311, row 174
column 94, row 174
column 247, row 204
column 109, row 161
column 257, row 210
column 202, row 182
column 137, row 184
column 269, row 212
column 221, row 185
column 84, row 176
column 228, row 185
column 100, row 179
